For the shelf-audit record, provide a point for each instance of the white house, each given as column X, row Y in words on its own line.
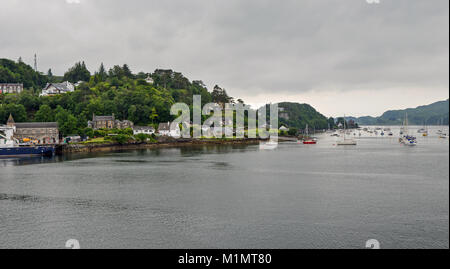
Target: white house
column 164, row 129
column 52, row 89
column 148, row 130
column 284, row 128
column 149, row 80
column 79, row 83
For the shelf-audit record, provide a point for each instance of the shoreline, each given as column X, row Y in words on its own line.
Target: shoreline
column 90, row 148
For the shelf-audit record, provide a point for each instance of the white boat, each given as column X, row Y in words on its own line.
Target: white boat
column 422, row 130
column 345, row 141
column 407, row 139
column 269, row 145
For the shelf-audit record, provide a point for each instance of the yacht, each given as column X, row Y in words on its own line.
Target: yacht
column 345, row 141
column 307, row 140
column 407, row 139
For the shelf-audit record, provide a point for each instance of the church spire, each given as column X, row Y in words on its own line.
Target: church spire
column 10, row 121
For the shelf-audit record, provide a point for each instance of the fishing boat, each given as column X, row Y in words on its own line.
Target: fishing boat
column 307, row 140
column 345, row 141
column 10, row 147
column 407, row 139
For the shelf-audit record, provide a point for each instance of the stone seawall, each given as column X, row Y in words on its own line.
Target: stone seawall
column 85, row 148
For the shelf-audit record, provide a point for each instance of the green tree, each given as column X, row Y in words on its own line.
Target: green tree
column 44, row 114
column 78, row 72
column 220, row 96
column 132, row 114
column 121, row 138
column 154, row 115
column 102, row 72
column 50, row 75
column 293, row 131
column 67, row 122
column 16, row 110
column 331, row 122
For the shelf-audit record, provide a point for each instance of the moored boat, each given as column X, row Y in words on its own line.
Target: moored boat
column 345, row 141
column 26, row 151
column 10, row 147
column 307, row 140
column 407, row 139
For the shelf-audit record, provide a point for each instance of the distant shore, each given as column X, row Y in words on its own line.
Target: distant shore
column 168, row 143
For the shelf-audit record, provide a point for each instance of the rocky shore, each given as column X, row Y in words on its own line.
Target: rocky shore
column 163, row 143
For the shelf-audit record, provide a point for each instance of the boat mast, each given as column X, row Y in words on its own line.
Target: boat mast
column 406, row 124
column 344, row 126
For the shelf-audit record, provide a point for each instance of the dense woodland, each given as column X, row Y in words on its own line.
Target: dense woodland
column 117, row 90
column 433, row 114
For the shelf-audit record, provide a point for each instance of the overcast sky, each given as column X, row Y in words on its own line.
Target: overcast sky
column 341, row 56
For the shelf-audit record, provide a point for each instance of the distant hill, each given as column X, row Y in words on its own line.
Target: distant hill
column 298, row 115
column 19, row 72
column 432, row 114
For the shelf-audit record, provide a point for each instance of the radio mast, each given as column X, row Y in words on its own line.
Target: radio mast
column 35, row 63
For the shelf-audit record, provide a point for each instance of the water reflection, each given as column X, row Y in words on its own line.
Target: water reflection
column 185, row 152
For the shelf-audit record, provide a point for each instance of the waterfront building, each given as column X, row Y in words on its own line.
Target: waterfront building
column 37, row 132
column 148, row 130
column 52, row 89
column 108, row 122
column 165, row 129
column 11, row 88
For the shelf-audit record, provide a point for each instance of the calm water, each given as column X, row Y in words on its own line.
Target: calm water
column 296, row 196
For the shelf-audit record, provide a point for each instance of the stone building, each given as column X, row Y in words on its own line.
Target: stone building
column 108, row 122
column 37, row 132
column 11, row 88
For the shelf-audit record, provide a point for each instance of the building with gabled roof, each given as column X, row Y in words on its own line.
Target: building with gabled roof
column 11, row 88
column 108, row 122
column 52, row 89
column 37, row 132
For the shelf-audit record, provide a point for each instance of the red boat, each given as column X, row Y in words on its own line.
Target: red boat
column 307, row 140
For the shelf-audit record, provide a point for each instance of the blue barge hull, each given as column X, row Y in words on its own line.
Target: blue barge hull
column 27, row 151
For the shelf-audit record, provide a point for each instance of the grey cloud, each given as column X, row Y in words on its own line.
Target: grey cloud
column 256, row 46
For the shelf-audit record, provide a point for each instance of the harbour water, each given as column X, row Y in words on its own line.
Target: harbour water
column 295, row 196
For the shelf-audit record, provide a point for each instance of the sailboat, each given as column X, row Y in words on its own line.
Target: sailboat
column 426, row 131
column 422, row 130
column 308, row 140
column 407, row 139
column 346, row 142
